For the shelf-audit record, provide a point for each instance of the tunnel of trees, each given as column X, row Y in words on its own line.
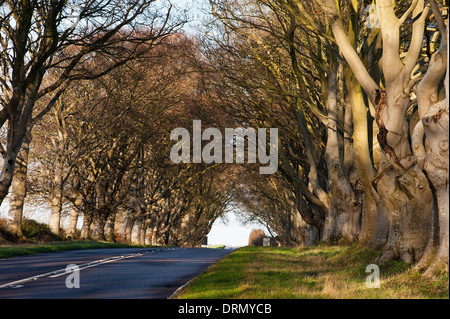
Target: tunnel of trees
column 358, row 90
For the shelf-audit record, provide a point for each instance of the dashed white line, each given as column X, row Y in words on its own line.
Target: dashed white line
column 61, row 272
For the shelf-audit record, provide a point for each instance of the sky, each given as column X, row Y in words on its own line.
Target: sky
column 195, row 11
column 232, row 233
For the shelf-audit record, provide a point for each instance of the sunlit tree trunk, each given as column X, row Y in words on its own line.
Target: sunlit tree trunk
column 109, row 227
column 402, row 186
column 86, row 227
column 342, row 221
column 143, row 233
column 72, row 222
column 19, row 189
column 434, row 123
column 101, row 211
column 74, row 214
column 129, row 227
column 56, row 196
column 136, row 231
column 400, row 183
column 364, row 165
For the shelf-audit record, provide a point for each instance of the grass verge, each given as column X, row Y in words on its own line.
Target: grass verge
column 336, row 272
column 30, row 249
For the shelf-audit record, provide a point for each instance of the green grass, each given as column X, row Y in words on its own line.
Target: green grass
column 336, row 272
column 30, row 249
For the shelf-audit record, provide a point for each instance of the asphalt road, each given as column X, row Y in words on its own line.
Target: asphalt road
column 139, row 273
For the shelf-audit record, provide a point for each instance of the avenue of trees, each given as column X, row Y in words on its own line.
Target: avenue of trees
column 91, row 90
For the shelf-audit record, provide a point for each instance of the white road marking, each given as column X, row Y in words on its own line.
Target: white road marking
column 61, row 272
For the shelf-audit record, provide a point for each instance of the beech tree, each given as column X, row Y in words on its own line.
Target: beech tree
column 296, row 81
column 359, row 97
column 109, row 161
column 377, row 82
column 35, row 37
column 401, row 182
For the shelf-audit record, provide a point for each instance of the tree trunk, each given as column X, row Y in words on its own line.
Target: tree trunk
column 72, row 223
column 402, row 186
column 143, row 233
column 400, row 183
column 345, row 209
column 381, row 235
column 119, row 224
column 436, row 165
column 408, row 201
column 434, row 123
column 55, row 215
column 6, row 175
column 102, row 211
column 109, row 227
column 128, row 229
column 136, row 231
column 73, row 215
column 18, row 194
column 16, row 135
column 364, row 165
column 86, row 227
column 99, row 228
column 342, row 221
column 154, row 237
column 57, row 196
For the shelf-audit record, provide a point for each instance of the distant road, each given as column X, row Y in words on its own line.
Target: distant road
column 136, row 273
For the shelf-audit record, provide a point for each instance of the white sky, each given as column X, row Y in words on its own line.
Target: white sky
column 195, row 11
column 232, row 233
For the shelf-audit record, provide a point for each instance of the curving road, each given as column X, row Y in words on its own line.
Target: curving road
column 138, row 273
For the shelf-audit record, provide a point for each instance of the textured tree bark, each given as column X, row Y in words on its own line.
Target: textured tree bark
column 148, row 237
column 400, row 183
column 128, row 228
column 19, row 189
column 345, row 209
column 434, row 124
column 98, row 232
column 143, row 233
column 363, row 159
column 342, row 221
column 301, row 230
column 136, row 231
column 6, row 175
column 86, row 227
column 17, row 132
column 119, row 224
column 109, row 227
column 101, row 212
column 154, row 236
column 72, row 222
column 408, row 202
column 56, row 198
column 74, row 214
column 381, row 235
column 437, row 167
